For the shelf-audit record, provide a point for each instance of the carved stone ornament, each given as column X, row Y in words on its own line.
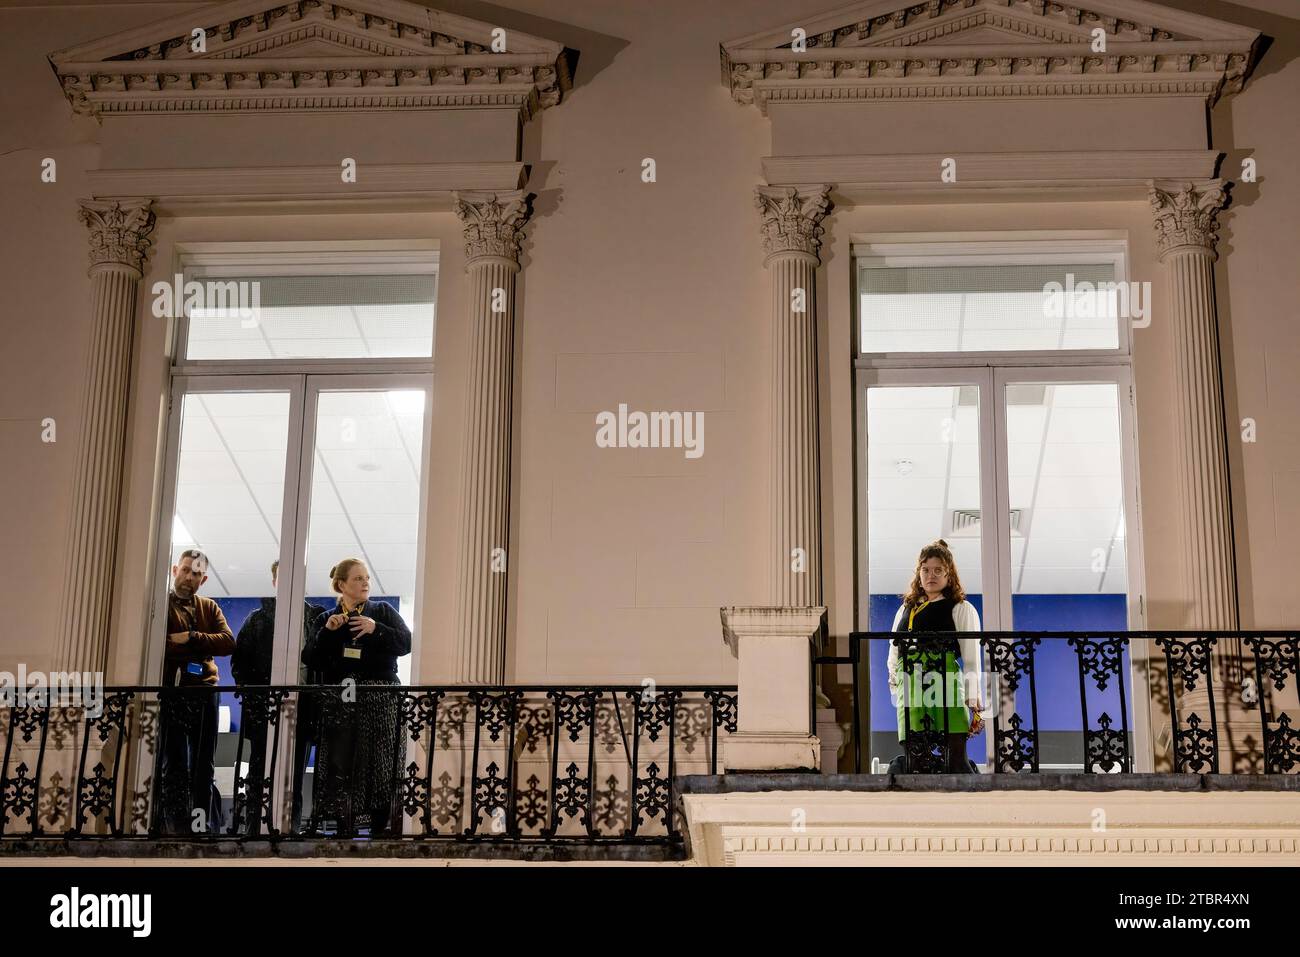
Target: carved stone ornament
column 119, row 232
column 314, row 55
column 891, row 49
column 493, row 223
column 1186, row 214
column 792, row 217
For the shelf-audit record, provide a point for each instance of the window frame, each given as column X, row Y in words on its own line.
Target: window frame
column 894, row 252
column 216, row 260
column 297, row 376
column 992, row 371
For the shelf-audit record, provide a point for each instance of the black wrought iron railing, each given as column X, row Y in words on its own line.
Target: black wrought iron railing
column 1209, row 699
column 477, row 764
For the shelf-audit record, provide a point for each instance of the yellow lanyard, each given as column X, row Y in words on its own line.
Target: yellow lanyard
column 348, row 611
column 915, row 611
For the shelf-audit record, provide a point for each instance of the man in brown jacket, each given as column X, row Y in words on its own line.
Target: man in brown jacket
column 196, row 633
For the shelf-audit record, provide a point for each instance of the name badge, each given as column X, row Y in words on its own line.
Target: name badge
column 351, row 652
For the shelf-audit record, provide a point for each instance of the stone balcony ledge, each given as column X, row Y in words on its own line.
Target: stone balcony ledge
column 984, row 783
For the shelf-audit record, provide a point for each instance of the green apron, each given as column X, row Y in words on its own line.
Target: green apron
column 921, row 689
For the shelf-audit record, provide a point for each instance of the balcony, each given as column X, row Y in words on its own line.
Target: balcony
column 1181, row 744
column 542, row 773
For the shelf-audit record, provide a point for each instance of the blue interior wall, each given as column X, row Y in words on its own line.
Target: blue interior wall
column 1056, row 663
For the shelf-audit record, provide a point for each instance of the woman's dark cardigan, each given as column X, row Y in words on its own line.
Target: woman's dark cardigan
column 379, row 650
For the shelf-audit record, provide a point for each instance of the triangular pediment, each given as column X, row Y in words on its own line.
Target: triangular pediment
column 267, row 54
column 889, row 21
column 932, row 48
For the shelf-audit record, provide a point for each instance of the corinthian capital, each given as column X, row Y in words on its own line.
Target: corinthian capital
column 493, row 223
column 1186, row 214
column 792, row 217
column 119, row 232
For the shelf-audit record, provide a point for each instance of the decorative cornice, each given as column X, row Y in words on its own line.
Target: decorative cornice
column 1186, row 215
column 493, row 223
column 1015, row 848
column 1014, row 48
column 791, row 218
column 119, row 232
column 313, row 55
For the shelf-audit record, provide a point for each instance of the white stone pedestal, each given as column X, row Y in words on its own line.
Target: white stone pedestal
column 774, row 729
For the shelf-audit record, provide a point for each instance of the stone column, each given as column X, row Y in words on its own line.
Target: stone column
column 774, row 721
column 791, row 218
column 1185, row 221
column 493, row 224
column 119, row 244
column 1185, row 235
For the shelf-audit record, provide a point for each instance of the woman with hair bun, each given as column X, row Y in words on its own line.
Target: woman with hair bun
column 360, row 750
column 935, row 601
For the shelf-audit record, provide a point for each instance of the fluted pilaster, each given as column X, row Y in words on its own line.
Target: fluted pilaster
column 119, row 242
column 791, row 219
column 493, row 229
column 1185, row 219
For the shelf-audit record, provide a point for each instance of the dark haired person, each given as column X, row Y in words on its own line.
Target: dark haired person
column 359, row 754
column 935, row 601
column 196, row 633
column 251, row 665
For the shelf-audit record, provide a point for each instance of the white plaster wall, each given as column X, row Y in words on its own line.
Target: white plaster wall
column 648, row 294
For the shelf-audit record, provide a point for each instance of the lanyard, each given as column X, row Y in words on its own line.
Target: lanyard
column 350, row 611
column 912, row 617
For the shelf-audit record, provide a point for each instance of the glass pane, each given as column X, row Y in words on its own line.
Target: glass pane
column 313, row 317
column 365, row 505
column 1066, row 485
column 923, row 483
column 988, row 308
column 365, row 496
column 1068, row 568
column 229, row 498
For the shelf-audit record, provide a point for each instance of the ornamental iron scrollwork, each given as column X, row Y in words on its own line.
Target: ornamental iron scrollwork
column 652, row 797
column 260, row 711
column 725, row 714
column 18, row 794
column 1101, row 661
column 491, row 801
column 565, row 765
column 1189, row 660
column 1196, row 747
column 1015, row 746
column 1105, row 748
column 1277, row 660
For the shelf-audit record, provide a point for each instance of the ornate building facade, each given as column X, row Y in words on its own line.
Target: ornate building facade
column 475, row 231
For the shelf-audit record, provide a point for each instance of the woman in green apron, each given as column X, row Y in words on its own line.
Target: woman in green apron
column 936, row 602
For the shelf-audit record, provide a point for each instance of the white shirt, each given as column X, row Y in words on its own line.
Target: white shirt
column 964, row 618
